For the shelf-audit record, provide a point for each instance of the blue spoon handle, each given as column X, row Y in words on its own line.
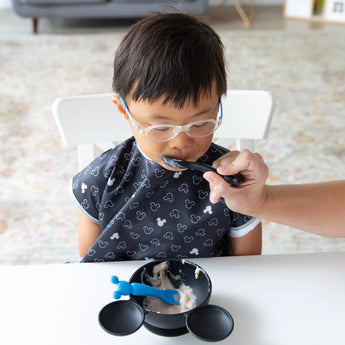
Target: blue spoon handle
column 167, row 295
column 144, row 290
column 124, row 288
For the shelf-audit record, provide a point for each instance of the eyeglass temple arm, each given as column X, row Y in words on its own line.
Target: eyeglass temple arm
column 221, row 110
column 137, row 127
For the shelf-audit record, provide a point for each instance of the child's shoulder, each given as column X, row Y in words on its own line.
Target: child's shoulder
column 106, row 163
column 117, row 154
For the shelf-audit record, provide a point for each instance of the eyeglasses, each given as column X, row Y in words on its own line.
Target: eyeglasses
column 162, row 133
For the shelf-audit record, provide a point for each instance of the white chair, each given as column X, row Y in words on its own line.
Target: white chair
column 247, row 116
column 93, row 121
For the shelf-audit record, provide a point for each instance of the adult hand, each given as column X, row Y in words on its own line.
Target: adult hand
column 248, row 197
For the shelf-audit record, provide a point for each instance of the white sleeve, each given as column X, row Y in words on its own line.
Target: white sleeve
column 244, row 229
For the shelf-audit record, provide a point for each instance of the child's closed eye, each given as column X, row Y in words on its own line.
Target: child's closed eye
column 162, row 129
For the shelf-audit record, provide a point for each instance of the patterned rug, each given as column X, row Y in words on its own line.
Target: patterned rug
column 38, row 221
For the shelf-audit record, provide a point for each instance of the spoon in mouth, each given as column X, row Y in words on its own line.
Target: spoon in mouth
column 180, row 164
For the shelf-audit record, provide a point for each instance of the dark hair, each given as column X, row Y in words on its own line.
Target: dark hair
column 173, row 55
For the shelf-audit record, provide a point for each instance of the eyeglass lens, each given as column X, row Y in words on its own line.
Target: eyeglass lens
column 196, row 129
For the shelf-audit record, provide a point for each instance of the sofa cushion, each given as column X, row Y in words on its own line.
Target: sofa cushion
column 61, row 2
column 171, row 2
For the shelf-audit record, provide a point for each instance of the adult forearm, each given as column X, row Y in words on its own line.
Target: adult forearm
column 317, row 207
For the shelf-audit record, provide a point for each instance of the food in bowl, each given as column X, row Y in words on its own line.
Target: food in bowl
column 160, row 280
column 179, row 271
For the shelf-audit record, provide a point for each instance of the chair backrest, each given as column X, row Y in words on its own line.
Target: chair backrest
column 247, row 118
column 92, row 121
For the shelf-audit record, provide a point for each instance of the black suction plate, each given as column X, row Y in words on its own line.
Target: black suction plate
column 210, row 323
column 121, row 317
column 166, row 332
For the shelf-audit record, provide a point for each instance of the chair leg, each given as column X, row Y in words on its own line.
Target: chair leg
column 34, row 25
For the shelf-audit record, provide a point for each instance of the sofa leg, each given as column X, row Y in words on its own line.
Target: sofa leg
column 34, row 25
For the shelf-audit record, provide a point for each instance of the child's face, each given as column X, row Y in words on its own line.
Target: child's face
column 181, row 146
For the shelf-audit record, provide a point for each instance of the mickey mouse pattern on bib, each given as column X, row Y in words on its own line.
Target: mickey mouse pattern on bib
column 146, row 211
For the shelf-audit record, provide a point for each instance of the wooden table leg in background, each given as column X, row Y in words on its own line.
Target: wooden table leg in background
column 34, row 25
column 247, row 19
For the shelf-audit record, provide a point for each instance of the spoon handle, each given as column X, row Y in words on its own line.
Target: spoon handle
column 124, row 288
column 144, row 290
column 233, row 179
column 167, row 295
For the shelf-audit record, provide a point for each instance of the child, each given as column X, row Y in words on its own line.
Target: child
column 169, row 76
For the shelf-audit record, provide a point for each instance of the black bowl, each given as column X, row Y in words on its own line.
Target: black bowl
column 193, row 276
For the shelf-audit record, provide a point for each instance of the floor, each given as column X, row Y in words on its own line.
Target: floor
column 265, row 18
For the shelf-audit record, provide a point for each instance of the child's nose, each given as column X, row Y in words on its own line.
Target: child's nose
column 181, row 141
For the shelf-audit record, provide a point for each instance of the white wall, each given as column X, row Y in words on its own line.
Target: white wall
column 7, row 3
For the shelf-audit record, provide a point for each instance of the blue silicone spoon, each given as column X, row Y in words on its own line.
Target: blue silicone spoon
column 124, row 288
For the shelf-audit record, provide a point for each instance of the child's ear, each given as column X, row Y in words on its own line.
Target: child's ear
column 116, row 100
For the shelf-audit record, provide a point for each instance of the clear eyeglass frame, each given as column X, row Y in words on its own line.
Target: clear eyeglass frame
column 162, row 133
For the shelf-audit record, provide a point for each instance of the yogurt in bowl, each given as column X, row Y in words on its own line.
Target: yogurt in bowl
column 188, row 278
column 160, row 280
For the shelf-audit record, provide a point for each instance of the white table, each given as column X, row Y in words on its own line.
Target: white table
column 274, row 300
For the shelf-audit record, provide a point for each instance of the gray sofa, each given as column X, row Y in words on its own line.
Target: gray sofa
column 36, row 9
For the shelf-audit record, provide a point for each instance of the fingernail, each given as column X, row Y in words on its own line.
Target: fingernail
column 222, row 168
